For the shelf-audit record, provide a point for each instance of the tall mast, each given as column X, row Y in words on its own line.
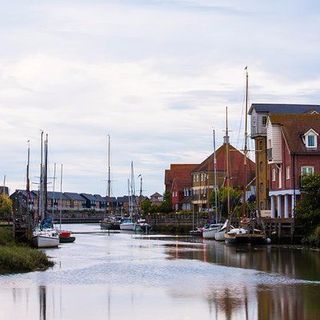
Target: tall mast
column 53, row 188
column 60, row 214
column 215, row 176
column 245, row 144
column 109, row 169
column 45, row 176
column 40, row 206
column 227, row 158
column 28, row 179
column 108, row 202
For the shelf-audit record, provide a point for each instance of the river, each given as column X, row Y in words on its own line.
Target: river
column 126, row 276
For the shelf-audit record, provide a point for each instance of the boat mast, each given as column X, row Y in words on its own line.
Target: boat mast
column 60, row 213
column 108, row 202
column 29, row 218
column 227, row 163
column 215, row 176
column 45, row 179
column 53, row 188
column 245, row 145
column 40, row 197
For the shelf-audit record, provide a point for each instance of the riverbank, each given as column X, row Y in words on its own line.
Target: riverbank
column 16, row 258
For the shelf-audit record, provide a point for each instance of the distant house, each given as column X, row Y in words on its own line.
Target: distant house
column 156, row 198
column 91, row 201
column 4, row 190
column 293, row 150
column 101, row 202
column 19, row 199
column 77, row 202
column 178, row 181
column 58, row 201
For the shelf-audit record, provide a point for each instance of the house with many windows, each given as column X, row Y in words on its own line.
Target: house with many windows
column 293, row 150
column 178, row 181
column 241, row 174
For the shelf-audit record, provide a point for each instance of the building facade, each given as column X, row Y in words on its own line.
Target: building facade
column 259, row 116
column 241, row 174
column 293, row 150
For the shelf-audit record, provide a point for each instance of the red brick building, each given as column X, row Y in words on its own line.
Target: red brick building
column 178, row 181
column 293, row 144
column 203, row 175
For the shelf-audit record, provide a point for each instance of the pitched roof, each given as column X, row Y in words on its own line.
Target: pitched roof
column 294, row 126
column 179, row 176
column 283, row 108
column 89, row 197
column 74, row 196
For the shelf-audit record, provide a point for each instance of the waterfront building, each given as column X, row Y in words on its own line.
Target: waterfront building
column 4, row 190
column 77, row 202
column 156, row 198
column 91, row 201
column 240, row 175
column 293, row 150
column 259, row 114
column 178, row 181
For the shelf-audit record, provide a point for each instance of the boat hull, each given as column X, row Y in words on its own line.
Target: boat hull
column 245, row 239
column 210, row 232
column 43, row 241
column 67, row 239
column 127, row 226
column 219, row 236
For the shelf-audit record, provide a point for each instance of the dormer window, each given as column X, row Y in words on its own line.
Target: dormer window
column 310, row 139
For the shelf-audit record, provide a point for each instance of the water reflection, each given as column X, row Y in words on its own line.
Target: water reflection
column 123, row 277
column 289, row 261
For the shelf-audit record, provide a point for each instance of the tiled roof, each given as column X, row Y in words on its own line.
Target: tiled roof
column 283, row 108
column 294, row 126
column 89, row 197
column 179, row 176
column 74, row 196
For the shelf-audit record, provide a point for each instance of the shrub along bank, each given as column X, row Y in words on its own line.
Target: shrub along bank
column 16, row 257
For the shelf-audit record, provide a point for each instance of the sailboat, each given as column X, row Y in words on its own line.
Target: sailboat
column 110, row 221
column 128, row 222
column 246, row 232
column 44, row 236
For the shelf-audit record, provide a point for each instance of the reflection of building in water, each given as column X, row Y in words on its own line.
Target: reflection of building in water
column 287, row 302
column 43, row 302
column 232, row 302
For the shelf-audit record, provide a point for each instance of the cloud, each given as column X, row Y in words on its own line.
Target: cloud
column 155, row 75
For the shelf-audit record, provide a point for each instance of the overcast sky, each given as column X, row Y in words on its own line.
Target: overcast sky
column 154, row 74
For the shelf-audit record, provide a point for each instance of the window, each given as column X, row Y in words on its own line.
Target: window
column 307, row 170
column 273, row 174
column 280, row 178
column 288, row 172
column 264, row 120
column 310, row 139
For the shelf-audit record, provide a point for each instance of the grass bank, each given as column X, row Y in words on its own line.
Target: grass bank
column 15, row 257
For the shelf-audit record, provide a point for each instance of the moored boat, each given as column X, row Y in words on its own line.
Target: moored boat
column 142, row 226
column 209, row 233
column 245, row 236
column 127, row 224
column 47, row 238
column 219, row 235
column 66, row 236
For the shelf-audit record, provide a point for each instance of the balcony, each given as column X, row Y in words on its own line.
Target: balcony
column 269, row 154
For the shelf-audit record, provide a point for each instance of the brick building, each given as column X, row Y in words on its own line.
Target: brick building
column 293, row 150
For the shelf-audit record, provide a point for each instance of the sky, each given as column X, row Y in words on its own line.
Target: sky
column 154, row 75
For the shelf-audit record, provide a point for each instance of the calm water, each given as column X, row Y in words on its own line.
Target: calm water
column 124, row 276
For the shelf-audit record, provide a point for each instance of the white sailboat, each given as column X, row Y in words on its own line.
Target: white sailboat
column 45, row 236
column 128, row 223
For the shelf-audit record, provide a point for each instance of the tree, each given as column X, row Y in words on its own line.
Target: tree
column 235, row 203
column 308, row 209
column 166, row 205
column 5, row 206
column 146, row 206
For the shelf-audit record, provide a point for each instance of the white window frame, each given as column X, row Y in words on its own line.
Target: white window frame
column 273, row 174
column 311, row 133
column 308, row 169
column 288, row 172
column 280, row 178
